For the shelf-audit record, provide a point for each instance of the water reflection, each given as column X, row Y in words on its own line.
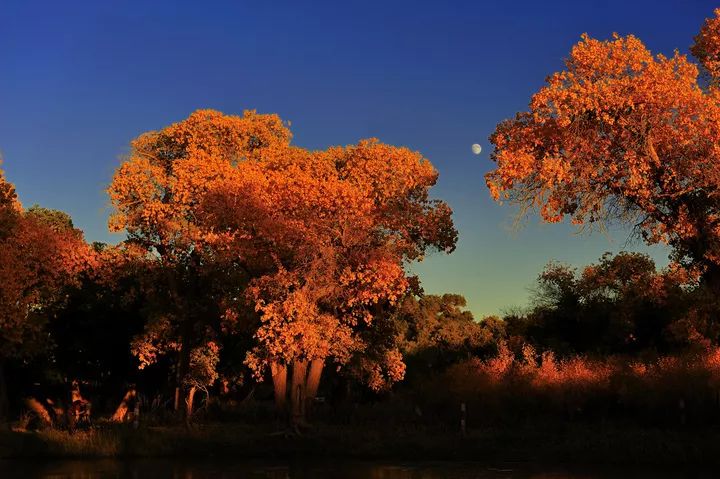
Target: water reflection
column 174, row 469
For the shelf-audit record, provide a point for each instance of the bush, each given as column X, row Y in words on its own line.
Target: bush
column 531, row 387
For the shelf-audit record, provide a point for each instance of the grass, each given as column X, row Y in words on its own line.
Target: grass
column 537, row 444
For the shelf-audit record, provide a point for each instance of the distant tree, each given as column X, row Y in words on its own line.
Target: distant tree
column 436, row 331
column 623, row 135
column 621, row 304
column 442, row 323
column 57, row 220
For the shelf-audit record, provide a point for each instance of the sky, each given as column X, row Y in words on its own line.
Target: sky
column 79, row 80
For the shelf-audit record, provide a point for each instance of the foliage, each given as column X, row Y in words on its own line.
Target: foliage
column 155, row 193
column 436, row 332
column 622, row 134
column 669, row 390
column 39, row 258
column 326, row 235
column 245, row 254
column 621, row 304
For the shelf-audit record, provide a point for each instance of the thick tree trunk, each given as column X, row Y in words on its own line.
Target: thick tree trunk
column 313, row 379
column 298, row 394
column 313, row 383
column 122, row 410
column 4, row 406
column 304, row 382
column 189, row 403
column 279, row 378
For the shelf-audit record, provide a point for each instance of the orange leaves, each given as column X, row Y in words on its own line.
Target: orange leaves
column 707, row 45
column 380, row 279
column 615, row 58
column 381, row 373
column 384, row 171
column 155, row 341
column 619, row 133
column 40, row 255
column 8, row 197
column 321, row 236
column 156, row 190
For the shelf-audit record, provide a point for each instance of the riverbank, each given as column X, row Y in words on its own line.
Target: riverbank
column 563, row 443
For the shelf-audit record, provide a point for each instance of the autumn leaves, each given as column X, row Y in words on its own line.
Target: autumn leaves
column 315, row 242
column 233, row 231
column 623, row 135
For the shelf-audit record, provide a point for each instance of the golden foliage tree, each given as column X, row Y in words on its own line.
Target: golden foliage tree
column 332, row 231
column 320, row 238
column 622, row 134
column 155, row 193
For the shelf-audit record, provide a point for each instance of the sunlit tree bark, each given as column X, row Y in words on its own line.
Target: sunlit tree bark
column 279, row 378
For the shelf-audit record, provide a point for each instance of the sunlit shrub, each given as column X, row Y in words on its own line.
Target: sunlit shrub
column 531, row 386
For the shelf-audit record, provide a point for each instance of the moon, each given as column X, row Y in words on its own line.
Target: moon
column 476, row 149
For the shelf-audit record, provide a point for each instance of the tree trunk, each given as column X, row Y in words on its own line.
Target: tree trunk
column 4, row 420
column 313, row 380
column 122, row 410
column 189, row 403
column 183, row 365
column 75, row 394
column 298, row 392
column 42, row 413
column 178, row 388
column 279, row 378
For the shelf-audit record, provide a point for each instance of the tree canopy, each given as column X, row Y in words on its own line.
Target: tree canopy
column 623, row 135
column 316, row 242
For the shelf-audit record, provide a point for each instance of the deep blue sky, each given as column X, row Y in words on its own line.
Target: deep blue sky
column 79, row 80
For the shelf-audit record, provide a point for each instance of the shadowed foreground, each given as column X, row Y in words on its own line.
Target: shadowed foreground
column 321, row 470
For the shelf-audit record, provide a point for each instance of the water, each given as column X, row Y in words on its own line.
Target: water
column 178, row 469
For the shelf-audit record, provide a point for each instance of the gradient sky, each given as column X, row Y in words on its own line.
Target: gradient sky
column 79, row 80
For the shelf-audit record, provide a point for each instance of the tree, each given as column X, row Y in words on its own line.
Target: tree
column 40, row 255
column 328, row 234
column 155, row 193
column 317, row 241
column 623, row 135
column 621, row 304
column 436, row 331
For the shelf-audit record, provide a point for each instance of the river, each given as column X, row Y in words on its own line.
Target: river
column 224, row 469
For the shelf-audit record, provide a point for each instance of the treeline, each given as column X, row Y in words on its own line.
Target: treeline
column 100, row 326
column 246, row 260
column 616, row 339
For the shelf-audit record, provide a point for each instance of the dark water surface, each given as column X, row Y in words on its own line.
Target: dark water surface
column 179, row 469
